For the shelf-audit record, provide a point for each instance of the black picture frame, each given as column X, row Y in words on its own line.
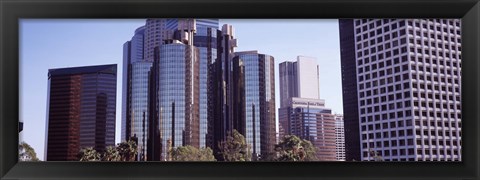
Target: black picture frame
column 13, row 10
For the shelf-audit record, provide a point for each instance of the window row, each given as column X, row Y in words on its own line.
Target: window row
column 381, row 61
column 385, row 116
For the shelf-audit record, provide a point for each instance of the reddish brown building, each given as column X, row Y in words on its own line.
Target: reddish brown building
column 80, row 110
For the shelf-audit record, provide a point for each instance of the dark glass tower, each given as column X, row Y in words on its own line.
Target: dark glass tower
column 219, row 103
column 205, row 40
column 81, row 110
column 253, row 100
column 349, row 89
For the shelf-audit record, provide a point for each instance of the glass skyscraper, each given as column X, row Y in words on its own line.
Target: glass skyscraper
column 145, row 48
column 132, row 52
column 139, row 105
column 219, row 99
column 253, row 100
column 80, row 110
column 178, row 91
column 205, row 40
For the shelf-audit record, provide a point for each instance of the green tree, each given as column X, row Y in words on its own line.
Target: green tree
column 190, row 153
column 26, row 152
column 235, row 148
column 89, row 154
column 111, row 154
column 292, row 148
column 124, row 151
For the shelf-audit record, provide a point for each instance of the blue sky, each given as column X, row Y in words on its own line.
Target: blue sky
column 47, row 44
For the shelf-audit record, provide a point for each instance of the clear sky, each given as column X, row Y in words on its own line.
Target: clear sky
column 47, row 44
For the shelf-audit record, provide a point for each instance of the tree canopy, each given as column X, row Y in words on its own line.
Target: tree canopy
column 26, row 152
column 89, row 154
column 235, row 148
column 124, row 151
column 190, row 153
column 292, row 148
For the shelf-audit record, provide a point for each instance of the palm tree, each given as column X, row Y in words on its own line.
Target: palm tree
column 127, row 150
column 89, row 154
column 111, row 154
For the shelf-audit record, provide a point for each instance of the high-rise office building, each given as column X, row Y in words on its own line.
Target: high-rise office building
column 302, row 112
column 140, row 120
column 80, row 110
column 253, row 100
column 135, row 114
column 219, row 99
column 309, row 119
column 409, row 88
column 340, row 137
column 349, row 90
column 155, row 33
column 299, row 79
column 178, row 89
column 132, row 52
column 205, row 40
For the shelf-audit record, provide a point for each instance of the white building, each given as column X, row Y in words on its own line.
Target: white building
column 409, row 88
column 299, row 79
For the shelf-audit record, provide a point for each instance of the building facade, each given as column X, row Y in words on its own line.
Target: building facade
column 155, row 34
column 178, row 91
column 219, row 100
column 253, row 100
column 340, row 137
column 299, row 79
column 132, row 52
column 309, row 119
column 349, row 90
column 205, row 40
column 143, row 50
column 409, row 88
column 80, row 110
column 139, row 105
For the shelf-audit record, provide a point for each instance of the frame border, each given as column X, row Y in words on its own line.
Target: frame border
column 13, row 10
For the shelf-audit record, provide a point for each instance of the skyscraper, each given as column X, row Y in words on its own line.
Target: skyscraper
column 155, row 33
column 132, row 52
column 219, row 103
column 253, row 100
column 299, row 79
column 205, row 40
column 302, row 113
column 81, row 110
column 409, row 87
column 178, row 84
column 349, row 89
column 139, row 105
